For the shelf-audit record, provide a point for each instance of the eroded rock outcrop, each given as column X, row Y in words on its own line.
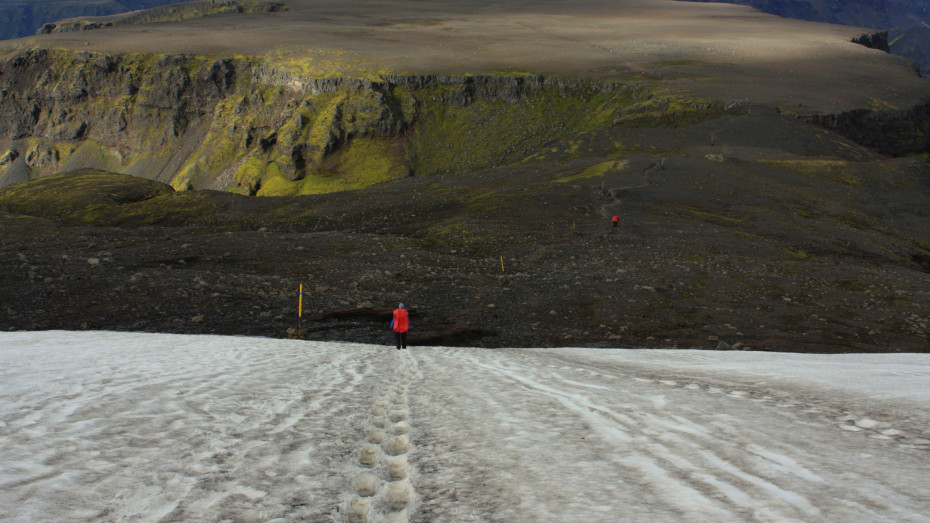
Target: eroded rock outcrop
column 874, row 40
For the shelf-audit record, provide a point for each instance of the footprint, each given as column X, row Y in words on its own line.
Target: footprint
column 369, row 455
column 399, row 494
column 397, row 445
column 358, row 510
column 866, row 423
column 366, row 485
column 401, row 427
column 397, row 467
column 376, row 436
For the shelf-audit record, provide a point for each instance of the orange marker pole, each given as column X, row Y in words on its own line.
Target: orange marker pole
column 502, row 264
column 300, row 306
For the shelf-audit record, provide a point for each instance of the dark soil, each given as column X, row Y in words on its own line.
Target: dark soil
column 753, row 231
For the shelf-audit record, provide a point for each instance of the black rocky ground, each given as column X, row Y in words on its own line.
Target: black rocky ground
column 753, row 231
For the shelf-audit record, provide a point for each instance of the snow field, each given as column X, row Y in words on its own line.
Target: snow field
column 100, row 426
column 599, row 435
column 110, row 426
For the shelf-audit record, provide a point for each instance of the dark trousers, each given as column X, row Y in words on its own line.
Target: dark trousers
column 401, row 339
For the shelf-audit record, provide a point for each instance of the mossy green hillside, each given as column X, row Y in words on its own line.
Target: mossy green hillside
column 100, row 198
column 317, row 63
column 451, row 138
column 125, row 107
column 271, row 143
column 311, row 122
column 362, row 162
column 316, row 148
column 88, row 197
column 652, row 106
column 242, row 124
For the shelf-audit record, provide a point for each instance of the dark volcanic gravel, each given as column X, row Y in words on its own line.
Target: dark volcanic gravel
column 716, row 249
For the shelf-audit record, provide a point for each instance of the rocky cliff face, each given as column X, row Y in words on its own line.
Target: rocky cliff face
column 113, row 111
column 889, row 131
column 874, row 40
column 258, row 127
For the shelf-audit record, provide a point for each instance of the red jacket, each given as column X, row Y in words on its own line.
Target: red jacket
column 401, row 321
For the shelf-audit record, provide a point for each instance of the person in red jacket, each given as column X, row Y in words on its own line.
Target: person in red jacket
column 401, row 324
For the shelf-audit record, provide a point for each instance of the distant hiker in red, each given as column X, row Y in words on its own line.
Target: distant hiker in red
column 616, row 220
column 401, row 324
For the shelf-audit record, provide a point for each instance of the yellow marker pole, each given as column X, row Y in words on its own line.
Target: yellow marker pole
column 502, row 264
column 300, row 306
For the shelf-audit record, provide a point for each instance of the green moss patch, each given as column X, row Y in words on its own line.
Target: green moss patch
column 453, row 139
column 90, row 197
column 838, row 171
column 665, row 107
column 594, row 171
column 718, row 219
column 797, row 254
